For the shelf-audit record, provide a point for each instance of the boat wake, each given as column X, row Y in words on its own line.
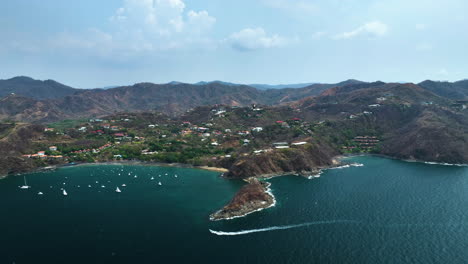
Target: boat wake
column 267, row 229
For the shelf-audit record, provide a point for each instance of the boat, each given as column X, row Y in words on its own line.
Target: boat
column 166, row 174
column 152, row 178
column 89, row 186
column 102, row 186
column 159, row 183
column 65, row 193
column 25, row 186
column 317, row 176
column 40, row 193
column 175, row 175
column 117, row 190
column 123, row 185
column 135, row 176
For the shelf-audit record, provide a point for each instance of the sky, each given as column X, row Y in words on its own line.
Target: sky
column 89, row 43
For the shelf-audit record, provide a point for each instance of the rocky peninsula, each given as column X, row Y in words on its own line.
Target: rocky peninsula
column 253, row 197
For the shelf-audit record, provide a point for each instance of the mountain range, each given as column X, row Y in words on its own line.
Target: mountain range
column 26, row 99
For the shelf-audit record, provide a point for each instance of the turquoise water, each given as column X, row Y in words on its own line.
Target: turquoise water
column 387, row 211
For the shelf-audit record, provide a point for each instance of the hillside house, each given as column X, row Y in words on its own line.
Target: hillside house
column 53, row 148
column 300, row 143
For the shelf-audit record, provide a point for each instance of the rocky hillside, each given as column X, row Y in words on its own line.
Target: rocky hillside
column 301, row 160
column 16, row 139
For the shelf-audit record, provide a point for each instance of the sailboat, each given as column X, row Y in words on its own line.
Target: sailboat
column 152, row 178
column 65, row 192
column 25, row 186
column 159, row 183
column 117, row 190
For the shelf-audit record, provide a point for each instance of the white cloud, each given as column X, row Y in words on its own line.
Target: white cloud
column 250, row 39
column 141, row 27
column 371, row 29
column 161, row 17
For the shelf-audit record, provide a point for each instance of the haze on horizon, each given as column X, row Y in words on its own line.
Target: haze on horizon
column 117, row 42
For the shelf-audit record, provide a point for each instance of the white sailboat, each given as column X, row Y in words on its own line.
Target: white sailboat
column 152, row 178
column 65, row 192
column 117, row 190
column 25, row 186
column 159, row 183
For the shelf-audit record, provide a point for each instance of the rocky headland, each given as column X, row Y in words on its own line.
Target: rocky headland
column 252, row 197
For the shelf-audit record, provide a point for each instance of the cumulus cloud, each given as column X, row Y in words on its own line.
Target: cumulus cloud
column 249, row 39
column 143, row 26
column 371, row 29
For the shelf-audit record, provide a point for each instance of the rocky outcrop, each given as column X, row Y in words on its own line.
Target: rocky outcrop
column 301, row 160
column 250, row 198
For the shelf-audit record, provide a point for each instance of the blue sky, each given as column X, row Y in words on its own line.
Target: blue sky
column 90, row 43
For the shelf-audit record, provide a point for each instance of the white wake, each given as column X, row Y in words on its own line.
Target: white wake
column 244, row 232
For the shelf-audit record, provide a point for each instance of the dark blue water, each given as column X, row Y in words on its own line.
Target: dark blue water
column 385, row 212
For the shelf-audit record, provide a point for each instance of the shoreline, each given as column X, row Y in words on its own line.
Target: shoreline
column 345, row 156
column 123, row 162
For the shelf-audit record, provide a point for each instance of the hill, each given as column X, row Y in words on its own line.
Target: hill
column 456, row 90
column 36, row 89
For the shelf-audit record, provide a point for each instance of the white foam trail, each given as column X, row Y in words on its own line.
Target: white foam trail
column 245, row 232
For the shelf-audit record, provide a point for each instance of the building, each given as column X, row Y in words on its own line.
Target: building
column 53, row 148
column 299, row 143
column 257, row 129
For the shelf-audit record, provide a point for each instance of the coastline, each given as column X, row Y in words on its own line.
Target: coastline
column 345, row 156
column 122, row 162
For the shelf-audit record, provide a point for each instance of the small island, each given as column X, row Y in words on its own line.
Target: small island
column 253, row 197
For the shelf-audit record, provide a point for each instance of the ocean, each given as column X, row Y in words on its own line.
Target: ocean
column 387, row 211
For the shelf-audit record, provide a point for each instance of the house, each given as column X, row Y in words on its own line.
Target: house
column 206, row 134
column 48, row 129
column 117, row 156
column 374, row 105
column 114, row 128
column 106, row 126
column 151, row 126
column 53, row 148
column 299, row 143
column 280, row 144
column 214, row 143
column 282, row 147
column 82, row 129
column 257, row 129
column 41, row 153
column 246, row 141
column 279, row 122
